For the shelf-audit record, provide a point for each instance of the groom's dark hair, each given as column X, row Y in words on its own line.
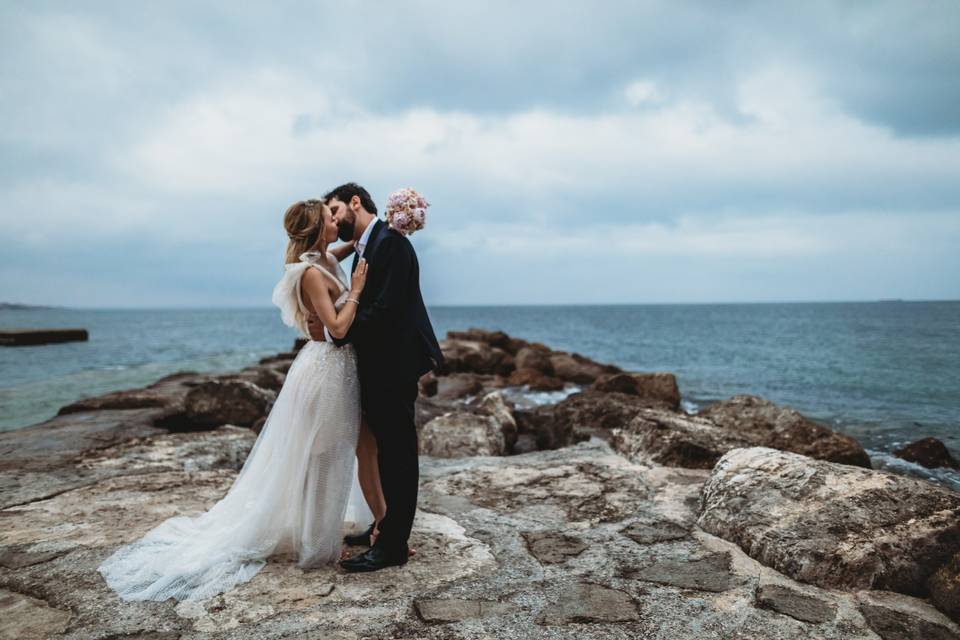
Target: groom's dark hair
column 345, row 192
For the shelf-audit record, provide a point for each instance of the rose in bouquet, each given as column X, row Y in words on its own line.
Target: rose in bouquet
column 406, row 211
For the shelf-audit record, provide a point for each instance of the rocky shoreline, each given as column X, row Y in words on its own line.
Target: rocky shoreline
column 602, row 511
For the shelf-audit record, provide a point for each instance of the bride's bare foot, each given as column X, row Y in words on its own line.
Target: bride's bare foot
column 411, row 552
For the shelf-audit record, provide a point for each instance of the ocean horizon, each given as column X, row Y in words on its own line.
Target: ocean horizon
column 886, row 372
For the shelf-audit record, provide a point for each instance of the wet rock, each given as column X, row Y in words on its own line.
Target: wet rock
column 895, row 617
column 675, row 440
column 585, row 602
column 26, row 618
column 576, row 368
column 833, row 525
column 766, row 424
column 660, row 388
column 457, row 610
column 460, row 433
column 945, row 588
column 655, row 531
column 928, row 452
column 235, row 402
column 709, row 573
column 34, row 337
column 553, row 548
column 803, row 606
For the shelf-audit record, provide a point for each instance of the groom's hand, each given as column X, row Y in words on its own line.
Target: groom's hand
column 315, row 327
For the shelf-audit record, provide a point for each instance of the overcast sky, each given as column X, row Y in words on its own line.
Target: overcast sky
column 594, row 152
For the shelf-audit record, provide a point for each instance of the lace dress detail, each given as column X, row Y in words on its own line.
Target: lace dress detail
column 295, row 492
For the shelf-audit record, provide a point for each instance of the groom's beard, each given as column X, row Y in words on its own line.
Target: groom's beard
column 345, row 231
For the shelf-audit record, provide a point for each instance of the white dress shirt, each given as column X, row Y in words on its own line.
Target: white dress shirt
column 359, row 247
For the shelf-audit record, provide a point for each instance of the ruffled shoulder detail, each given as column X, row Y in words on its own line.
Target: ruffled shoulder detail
column 286, row 295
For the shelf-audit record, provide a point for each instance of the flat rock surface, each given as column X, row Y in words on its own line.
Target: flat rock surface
column 570, row 543
column 805, row 605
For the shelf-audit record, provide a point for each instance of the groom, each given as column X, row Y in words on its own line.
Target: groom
column 395, row 345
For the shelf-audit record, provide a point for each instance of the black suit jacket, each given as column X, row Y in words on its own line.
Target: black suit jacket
column 392, row 333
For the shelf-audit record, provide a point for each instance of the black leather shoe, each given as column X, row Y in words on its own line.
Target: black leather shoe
column 359, row 539
column 376, row 558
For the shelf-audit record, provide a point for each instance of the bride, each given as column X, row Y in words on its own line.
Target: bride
column 299, row 485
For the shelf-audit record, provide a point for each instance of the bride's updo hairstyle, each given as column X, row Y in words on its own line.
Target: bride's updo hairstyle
column 304, row 224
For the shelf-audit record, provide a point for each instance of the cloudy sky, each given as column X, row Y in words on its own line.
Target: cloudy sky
column 574, row 152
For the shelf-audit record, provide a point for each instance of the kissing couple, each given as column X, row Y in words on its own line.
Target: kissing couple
column 340, row 443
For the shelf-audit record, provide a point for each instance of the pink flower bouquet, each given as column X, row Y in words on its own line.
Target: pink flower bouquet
column 406, row 211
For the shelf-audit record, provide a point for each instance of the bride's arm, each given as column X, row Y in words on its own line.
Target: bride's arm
column 341, row 251
column 317, row 289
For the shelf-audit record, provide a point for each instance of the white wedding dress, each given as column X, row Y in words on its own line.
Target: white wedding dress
column 296, row 491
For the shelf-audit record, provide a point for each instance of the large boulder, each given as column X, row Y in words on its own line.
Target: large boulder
column 578, row 417
column 486, row 428
column 675, row 440
column 928, row 452
column 459, row 434
column 945, row 588
column 833, row 525
column 659, row 388
column 219, row 402
column 766, row 424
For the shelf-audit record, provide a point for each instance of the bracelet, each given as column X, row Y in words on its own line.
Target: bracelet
column 354, row 300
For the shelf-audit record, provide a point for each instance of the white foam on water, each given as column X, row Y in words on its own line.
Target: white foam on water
column 886, row 461
column 525, row 398
column 689, row 407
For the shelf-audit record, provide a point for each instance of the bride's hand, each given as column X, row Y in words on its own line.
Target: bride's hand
column 359, row 277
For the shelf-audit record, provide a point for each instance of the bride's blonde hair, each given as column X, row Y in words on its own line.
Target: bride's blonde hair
column 304, row 224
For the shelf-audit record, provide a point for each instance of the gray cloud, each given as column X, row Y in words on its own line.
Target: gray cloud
column 169, row 137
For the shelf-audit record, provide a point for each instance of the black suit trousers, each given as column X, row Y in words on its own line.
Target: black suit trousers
column 390, row 412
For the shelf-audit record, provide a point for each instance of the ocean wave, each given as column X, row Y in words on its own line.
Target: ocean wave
column 525, row 398
column 886, row 461
column 689, row 407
